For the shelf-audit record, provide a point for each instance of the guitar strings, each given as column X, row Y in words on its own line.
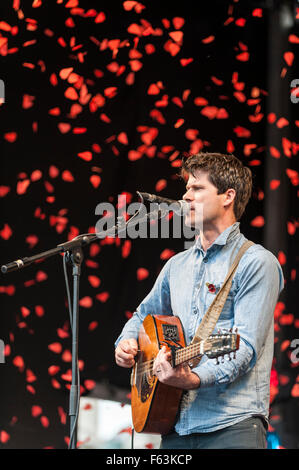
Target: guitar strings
column 147, row 366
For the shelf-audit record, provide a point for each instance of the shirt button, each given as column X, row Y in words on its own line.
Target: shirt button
column 195, row 310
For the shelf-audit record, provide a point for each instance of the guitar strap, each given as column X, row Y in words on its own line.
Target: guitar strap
column 211, row 316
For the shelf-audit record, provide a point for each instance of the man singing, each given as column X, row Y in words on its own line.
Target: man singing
column 225, row 406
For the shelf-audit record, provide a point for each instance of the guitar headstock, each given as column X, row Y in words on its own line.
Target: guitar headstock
column 222, row 343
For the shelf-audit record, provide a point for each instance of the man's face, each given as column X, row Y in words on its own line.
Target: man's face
column 205, row 204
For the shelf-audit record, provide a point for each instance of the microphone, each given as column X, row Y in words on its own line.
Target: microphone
column 181, row 207
column 13, row 266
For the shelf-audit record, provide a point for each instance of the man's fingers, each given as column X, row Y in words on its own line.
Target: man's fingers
column 125, row 352
column 130, row 347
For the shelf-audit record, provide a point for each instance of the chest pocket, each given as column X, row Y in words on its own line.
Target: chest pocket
column 227, row 312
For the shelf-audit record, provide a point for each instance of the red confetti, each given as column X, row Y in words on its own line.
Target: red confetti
column 282, row 122
column 93, row 325
column 67, row 357
column 103, row 296
column 87, row 156
column 242, row 132
column 45, row 421
column 208, row 39
column 274, row 184
column 295, row 390
column 55, row 347
column 126, row 430
column 126, row 248
column 142, row 274
column 94, row 281
column 293, row 175
column 52, row 370
column 258, row 221
column 67, row 176
column 86, row 302
column 95, row 180
column 4, row 190
column 258, row 12
column 89, row 384
column 240, row 22
column 6, row 232
column 64, row 127
column 179, row 123
column 41, row 276
column 10, row 136
column 100, row 18
column 293, row 39
column 281, row 258
column 19, row 363
column 4, row 436
column 22, row 186
column 166, row 254
column 243, row 56
column 274, row 152
column 289, row 58
column 30, row 376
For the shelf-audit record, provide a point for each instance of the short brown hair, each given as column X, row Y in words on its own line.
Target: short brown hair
column 224, row 172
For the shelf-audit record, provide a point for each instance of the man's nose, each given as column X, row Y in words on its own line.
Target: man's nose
column 188, row 196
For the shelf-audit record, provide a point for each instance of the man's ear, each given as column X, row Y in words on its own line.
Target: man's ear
column 230, row 196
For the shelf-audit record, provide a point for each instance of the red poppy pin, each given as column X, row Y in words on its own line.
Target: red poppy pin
column 211, row 287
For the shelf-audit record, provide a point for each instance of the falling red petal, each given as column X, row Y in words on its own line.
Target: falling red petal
column 258, row 221
column 289, row 58
column 86, row 302
column 87, row 156
column 142, row 274
column 4, row 436
column 55, row 347
column 36, row 410
column 282, row 258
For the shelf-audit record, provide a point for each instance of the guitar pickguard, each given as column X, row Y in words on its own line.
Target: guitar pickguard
column 144, row 381
column 147, row 384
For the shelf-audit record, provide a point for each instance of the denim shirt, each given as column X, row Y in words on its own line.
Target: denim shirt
column 233, row 390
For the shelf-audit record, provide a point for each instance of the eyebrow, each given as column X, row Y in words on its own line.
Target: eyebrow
column 195, row 185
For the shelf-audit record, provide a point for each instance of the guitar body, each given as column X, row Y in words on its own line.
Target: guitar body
column 154, row 405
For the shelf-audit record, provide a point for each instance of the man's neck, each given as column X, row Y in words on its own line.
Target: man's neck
column 209, row 234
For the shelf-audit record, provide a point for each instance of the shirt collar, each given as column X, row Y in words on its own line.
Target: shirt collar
column 227, row 235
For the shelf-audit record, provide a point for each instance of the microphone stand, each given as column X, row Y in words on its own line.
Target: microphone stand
column 73, row 254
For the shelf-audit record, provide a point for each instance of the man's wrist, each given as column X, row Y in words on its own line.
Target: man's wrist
column 195, row 381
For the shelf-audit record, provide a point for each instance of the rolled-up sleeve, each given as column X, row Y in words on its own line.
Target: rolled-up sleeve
column 260, row 280
column 157, row 302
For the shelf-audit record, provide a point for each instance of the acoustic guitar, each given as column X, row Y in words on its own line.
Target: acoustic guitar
column 154, row 404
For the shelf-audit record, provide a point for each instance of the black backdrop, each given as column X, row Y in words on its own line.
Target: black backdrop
column 103, row 99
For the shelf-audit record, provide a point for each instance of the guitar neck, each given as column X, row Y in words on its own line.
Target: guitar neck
column 190, row 352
